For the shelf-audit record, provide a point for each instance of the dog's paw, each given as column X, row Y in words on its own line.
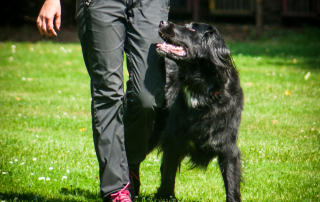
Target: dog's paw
column 163, row 195
column 166, row 199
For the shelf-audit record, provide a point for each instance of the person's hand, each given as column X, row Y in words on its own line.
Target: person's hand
column 50, row 11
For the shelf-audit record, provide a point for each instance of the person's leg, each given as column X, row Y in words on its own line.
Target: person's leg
column 101, row 29
column 145, row 88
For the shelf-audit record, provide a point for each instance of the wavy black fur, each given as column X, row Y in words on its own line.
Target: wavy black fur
column 203, row 108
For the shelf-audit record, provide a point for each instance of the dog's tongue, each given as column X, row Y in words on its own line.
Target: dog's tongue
column 170, row 48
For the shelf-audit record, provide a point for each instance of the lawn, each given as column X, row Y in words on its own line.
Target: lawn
column 46, row 145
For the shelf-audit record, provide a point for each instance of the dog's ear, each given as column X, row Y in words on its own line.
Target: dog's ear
column 211, row 33
column 211, row 30
column 215, row 46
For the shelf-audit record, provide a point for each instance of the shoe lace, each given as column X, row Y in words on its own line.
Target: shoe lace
column 123, row 195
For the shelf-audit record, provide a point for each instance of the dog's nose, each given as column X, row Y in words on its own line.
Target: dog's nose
column 163, row 23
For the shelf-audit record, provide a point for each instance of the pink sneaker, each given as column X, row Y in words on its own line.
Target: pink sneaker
column 121, row 196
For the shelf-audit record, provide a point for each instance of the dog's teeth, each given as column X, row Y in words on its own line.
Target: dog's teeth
column 162, row 35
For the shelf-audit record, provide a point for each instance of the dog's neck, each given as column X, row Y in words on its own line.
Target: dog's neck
column 204, row 92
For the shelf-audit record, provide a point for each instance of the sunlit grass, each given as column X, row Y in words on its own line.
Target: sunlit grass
column 46, row 146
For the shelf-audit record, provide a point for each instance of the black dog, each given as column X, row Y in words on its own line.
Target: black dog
column 203, row 108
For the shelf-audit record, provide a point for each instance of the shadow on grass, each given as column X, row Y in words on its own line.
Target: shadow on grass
column 80, row 192
column 68, row 195
column 272, row 49
column 151, row 198
column 304, row 56
column 85, row 194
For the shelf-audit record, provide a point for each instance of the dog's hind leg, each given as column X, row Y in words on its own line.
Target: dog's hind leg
column 230, row 166
column 170, row 162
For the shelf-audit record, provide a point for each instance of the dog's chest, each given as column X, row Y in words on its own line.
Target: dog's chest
column 191, row 99
column 196, row 98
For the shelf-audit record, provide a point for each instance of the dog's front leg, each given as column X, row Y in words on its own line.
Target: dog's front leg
column 229, row 162
column 170, row 162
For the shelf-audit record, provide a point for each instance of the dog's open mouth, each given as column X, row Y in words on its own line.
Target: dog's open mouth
column 172, row 48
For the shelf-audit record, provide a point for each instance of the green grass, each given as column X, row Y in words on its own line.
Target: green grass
column 46, row 145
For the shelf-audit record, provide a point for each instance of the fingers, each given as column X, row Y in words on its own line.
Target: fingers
column 45, row 26
column 50, row 28
column 58, row 20
column 50, row 15
column 39, row 24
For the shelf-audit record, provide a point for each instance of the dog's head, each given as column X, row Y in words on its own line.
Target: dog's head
column 193, row 41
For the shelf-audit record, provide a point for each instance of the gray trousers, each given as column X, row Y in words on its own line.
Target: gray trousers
column 106, row 29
